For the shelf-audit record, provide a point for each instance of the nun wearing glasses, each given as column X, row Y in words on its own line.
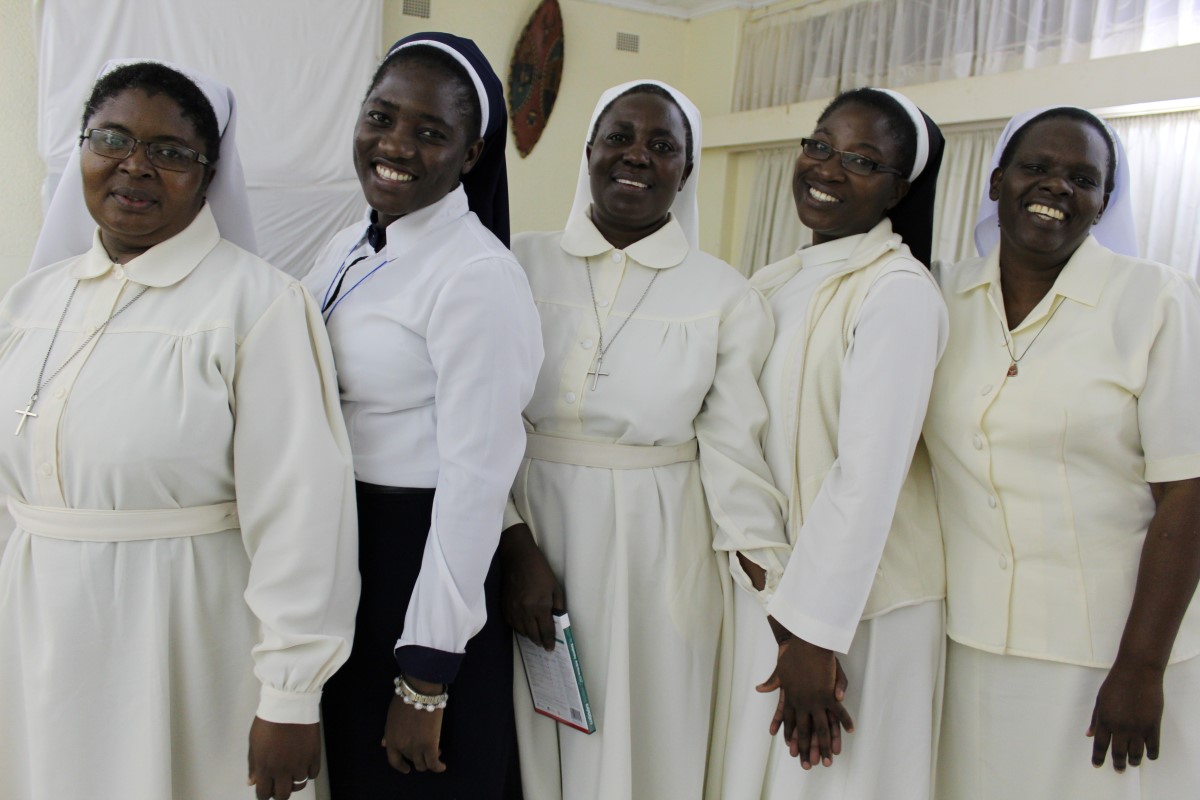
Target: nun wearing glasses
column 177, row 527
column 437, row 345
column 858, row 615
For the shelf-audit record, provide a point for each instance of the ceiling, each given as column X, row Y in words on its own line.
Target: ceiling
column 683, row 9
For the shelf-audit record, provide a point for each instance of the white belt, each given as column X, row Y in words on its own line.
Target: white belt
column 584, row 453
column 86, row 525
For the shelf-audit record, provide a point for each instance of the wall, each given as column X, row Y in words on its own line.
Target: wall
column 20, row 202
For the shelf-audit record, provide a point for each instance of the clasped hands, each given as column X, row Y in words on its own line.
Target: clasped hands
column 811, row 687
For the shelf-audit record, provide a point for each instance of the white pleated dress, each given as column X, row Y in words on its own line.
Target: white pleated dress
column 634, row 547
column 178, row 549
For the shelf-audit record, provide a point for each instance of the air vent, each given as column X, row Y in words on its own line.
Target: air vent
column 416, row 8
column 629, row 42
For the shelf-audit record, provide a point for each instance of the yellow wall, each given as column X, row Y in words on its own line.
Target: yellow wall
column 20, row 200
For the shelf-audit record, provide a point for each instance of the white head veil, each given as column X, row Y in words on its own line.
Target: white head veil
column 685, row 208
column 1115, row 230
column 68, row 228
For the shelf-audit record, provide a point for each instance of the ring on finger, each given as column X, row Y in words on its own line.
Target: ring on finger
column 301, row 782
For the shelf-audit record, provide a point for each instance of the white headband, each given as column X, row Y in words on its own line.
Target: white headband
column 484, row 111
column 918, row 121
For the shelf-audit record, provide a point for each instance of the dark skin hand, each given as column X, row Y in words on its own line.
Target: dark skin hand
column 282, row 757
column 412, row 736
column 1129, row 705
column 530, row 591
column 757, row 575
column 812, row 686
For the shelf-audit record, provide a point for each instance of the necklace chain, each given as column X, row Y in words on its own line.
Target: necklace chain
column 41, row 384
column 1011, row 348
column 602, row 348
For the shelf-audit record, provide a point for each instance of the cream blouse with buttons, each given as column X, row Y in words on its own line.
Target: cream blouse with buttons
column 1044, row 477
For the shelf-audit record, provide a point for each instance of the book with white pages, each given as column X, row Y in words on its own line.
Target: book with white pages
column 555, row 678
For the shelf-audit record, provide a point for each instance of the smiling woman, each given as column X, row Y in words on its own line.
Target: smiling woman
column 1071, row 605
column 177, row 546
column 857, row 617
column 135, row 212
column 643, row 474
column 437, row 347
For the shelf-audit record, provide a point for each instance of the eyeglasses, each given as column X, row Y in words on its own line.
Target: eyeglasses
column 164, row 155
column 851, row 162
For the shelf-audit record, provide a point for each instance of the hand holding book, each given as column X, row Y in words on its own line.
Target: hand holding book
column 530, row 592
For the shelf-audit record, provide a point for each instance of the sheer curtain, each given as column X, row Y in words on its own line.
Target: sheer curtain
column 1163, row 150
column 772, row 229
column 788, row 57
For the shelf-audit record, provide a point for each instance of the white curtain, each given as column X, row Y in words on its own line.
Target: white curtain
column 299, row 70
column 1162, row 149
column 788, row 57
column 772, row 229
column 960, row 187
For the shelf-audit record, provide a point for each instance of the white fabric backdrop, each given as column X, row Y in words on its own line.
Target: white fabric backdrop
column 807, row 53
column 1163, row 151
column 299, row 70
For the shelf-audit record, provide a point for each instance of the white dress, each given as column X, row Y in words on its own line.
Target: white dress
column 142, row 626
column 634, row 547
column 893, row 660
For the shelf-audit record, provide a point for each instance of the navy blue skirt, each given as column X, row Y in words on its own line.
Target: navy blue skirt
column 478, row 734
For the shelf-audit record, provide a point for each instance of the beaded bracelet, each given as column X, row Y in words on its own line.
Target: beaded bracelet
column 421, row 702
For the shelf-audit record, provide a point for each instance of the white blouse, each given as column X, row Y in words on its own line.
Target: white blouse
column 437, row 345
column 1044, row 477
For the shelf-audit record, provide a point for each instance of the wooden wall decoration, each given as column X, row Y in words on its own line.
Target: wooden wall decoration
column 535, row 74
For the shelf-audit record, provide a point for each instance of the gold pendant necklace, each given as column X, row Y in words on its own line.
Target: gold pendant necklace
column 1014, row 359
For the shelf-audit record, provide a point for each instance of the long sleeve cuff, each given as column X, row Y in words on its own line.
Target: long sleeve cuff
column 297, row 708
column 811, row 630
column 769, row 559
column 427, row 664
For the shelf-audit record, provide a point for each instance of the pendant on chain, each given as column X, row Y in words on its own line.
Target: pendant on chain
column 597, row 371
column 25, row 413
column 1012, row 370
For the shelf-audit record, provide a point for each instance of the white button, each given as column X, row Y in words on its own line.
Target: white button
column 119, row 272
column 603, row 303
column 1003, row 562
column 59, row 393
column 977, row 440
column 986, row 389
column 586, row 344
column 991, row 501
column 569, row 397
column 89, row 330
column 617, row 256
column 47, row 469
